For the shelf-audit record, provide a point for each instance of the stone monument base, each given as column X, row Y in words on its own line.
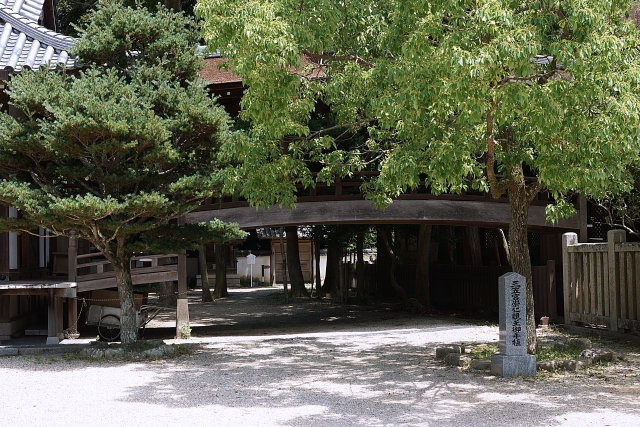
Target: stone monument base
column 512, row 366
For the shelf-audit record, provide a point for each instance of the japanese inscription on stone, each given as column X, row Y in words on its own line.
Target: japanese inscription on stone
column 512, row 307
column 516, row 323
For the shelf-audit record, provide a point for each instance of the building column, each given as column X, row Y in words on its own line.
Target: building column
column 52, row 319
column 182, row 306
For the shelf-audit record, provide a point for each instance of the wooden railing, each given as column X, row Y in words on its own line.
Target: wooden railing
column 602, row 282
column 349, row 189
column 93, row 271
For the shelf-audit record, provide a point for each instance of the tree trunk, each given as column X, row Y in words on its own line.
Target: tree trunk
column 128, row 318
column 293, row 260
column 176, row 5
column 451, row 245
column 284, row 266
column 332, row 273
column 473, row 237
column 505, row 244
column 360, row 266
column 518, row 245
column 392, row 271
column 342, row 288
column 422, row 265
column 316, row 243
column 167, row 294
column 204, row 274
column 220, row 290
column 383, row 263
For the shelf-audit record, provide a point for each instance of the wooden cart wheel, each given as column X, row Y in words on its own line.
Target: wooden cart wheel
column 109, row 327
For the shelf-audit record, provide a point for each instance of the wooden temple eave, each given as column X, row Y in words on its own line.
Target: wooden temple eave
column 403, row 211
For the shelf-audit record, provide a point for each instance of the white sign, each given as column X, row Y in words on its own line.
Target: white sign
column 251, row 259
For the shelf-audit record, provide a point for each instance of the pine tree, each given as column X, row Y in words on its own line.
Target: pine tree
column 117, row 151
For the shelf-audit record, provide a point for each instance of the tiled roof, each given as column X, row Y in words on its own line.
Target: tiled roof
column 212, row 74
column 25, row 44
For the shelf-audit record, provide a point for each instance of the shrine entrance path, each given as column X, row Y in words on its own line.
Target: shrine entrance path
column 258, row 362
column 261, row 312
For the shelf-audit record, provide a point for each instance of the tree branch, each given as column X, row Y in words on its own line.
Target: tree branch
column 497, row 188
column 330, row 58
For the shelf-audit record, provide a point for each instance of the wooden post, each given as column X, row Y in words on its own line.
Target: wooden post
column 582, row 206
column 551, row 289
column 52, row 329
column 72, row 303
column 182, row 305
column 568, row 239
column 613, row 237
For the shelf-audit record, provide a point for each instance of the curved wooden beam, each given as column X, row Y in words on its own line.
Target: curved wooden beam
column 474, row 213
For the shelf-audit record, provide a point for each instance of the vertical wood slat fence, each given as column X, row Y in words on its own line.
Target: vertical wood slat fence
column 602, row 282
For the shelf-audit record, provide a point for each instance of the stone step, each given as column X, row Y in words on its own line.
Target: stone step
column 36, row 330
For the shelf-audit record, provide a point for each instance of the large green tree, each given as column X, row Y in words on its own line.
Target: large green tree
column 118, row 151
column 460, row 93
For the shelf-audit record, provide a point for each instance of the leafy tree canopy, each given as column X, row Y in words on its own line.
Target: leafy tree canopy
column 556, row 81
column 457, row 93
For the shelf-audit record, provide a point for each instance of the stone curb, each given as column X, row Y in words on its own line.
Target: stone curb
column 38, row 351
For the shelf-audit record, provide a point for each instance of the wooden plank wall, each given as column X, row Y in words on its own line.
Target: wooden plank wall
column 305, row 259
column 603, row 282
column 544, row 291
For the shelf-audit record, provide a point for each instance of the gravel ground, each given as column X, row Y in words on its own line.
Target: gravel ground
column 259, row 362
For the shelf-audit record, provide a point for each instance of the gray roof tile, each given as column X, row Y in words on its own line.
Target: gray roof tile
column 25, row 44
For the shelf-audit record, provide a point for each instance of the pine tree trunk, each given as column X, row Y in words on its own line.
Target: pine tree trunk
column 473, row 237
column 332, row 273
column 518, row 245
column 220, row 290
column 451, row 245
column 422, row 265
column 360, row 266
column 293, row 260
column 392, row 271
column 204, row 275
column 383, row 263
column 342, row 288
column 128, row 318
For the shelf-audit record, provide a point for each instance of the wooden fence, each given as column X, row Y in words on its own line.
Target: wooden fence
column 94, row 272
column 602, row 282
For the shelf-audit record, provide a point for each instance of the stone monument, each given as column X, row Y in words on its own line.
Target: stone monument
column 513, row 359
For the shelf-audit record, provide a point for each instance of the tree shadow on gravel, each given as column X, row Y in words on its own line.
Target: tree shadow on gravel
column 374, row 380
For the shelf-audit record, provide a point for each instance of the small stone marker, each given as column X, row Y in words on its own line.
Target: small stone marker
column 251, row 260
column 513, row 359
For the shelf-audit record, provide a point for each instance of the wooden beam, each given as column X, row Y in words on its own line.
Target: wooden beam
column 434, row 211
